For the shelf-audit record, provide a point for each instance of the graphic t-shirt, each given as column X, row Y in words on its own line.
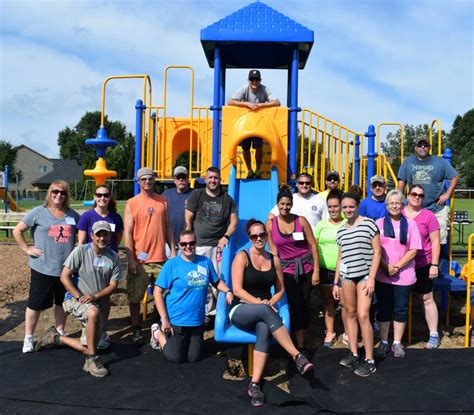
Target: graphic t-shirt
column 55, row 237
column 177, row 203
column 326, row 234
column 211, row 215
column 92, row 272
column 393, row 251
column 187, row 283
column 429, row 173
column 91, row 216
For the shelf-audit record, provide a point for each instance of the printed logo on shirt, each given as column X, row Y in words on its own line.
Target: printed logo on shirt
column 421, row 174
column 60, row 233
column 196, row 279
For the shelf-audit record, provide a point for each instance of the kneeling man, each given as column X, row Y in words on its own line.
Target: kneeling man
column 90, row 275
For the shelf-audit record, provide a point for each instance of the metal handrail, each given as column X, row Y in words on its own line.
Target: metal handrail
column 469, row 281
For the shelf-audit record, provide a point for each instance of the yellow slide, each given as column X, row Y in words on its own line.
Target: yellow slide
column 11, row 202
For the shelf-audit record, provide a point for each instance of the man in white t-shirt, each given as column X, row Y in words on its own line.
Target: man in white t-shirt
column 305, row 202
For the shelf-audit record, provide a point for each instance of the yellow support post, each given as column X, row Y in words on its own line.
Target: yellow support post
column 250, row 349
column 469, row 281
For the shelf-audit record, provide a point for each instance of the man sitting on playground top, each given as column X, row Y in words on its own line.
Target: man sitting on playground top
column 253, row 96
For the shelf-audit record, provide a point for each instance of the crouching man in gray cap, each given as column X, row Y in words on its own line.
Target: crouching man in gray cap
column 90, row 275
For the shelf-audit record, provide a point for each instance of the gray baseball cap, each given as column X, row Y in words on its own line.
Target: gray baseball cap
column 101, row 225
column 377, row 179
column 180, row 170
column 145, row 171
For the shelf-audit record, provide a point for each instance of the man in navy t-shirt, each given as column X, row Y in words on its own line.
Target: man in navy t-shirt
column 373, row 207
column 177, row 198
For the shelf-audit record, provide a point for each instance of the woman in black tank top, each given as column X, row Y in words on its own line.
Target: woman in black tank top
column 254, row 272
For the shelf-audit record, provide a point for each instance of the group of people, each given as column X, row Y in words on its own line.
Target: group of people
column 355, row 251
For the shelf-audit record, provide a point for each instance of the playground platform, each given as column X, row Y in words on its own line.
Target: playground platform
column 142, row 381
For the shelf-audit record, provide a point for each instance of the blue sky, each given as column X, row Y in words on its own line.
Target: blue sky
column 408, row 61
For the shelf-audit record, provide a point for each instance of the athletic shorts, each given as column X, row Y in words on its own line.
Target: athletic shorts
column 424, row 284
column 254, row 142
column 326, row 276
column 45, row 290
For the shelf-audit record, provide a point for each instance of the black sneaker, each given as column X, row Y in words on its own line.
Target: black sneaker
column 350, row 361
column 258, row 174
column 137, row 336
column 366, row 368
column 251, row 175
column 303, row 364
column 257, row 398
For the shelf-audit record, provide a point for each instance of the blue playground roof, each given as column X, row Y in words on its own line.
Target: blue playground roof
column 257, row 36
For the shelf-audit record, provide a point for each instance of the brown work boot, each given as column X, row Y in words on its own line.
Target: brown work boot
column 47, row 339
column 94, row 366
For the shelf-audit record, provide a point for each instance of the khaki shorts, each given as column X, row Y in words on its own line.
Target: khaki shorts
column 443, row 220
column 79, row 310
column 137, row 283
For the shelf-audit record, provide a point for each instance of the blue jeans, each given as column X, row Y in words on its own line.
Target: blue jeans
column 392, row 301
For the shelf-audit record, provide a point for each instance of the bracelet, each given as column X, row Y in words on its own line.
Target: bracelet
column 226, row 237
column 78, row 297
column 435, row 265
column 228, row 291
column 335, row 284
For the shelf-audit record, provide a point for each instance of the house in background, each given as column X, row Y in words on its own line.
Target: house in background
column 40, row 171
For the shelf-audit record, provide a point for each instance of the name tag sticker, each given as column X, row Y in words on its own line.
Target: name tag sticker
column 298, row 236
column 343, row 267
column 70, row 221
column 202, row 270
column 112, row 227
column 98, row 262
column 142, row 256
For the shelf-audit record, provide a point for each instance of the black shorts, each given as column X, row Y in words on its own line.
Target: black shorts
column 45, row 290
column 424, row 284
column 326, row 276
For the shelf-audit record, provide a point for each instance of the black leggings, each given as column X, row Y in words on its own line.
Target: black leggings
column 185, row 343
column 299, row 296
column 261, row 318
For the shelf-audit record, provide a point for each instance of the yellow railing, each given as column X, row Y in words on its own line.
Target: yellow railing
column 440, row 145
column 469, row 281
column 327, row 145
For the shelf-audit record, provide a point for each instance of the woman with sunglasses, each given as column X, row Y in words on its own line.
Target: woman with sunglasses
column 53, row 227
column 254, row 272
column 325, row 235
column 400, row 240
column 186, row 279
column 427, row 258
column 357, row 263
column 291, row 238
column 105, row 208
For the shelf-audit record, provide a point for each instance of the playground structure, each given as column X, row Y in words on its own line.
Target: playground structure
column 309, row 143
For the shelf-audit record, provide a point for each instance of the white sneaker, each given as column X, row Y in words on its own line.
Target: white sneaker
column 104, row 341
column 28, row 345
column 154, row 343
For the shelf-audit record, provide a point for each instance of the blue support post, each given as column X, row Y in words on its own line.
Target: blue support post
column 216, row 107
column 371, row 154
column 357, row 161
column 6, row 189
column 293, row 116
column 221, row 104
column 139, row 107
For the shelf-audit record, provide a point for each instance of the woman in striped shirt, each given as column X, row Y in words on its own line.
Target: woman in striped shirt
column 359, row 258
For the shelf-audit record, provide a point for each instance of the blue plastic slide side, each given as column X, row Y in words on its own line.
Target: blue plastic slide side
column 254, row 199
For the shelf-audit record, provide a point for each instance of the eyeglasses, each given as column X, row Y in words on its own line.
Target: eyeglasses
column 146, row 179
column 181, row 177
column 99, row 195
column 395, row 204
column 304, row 183
column 422, row 144
column 59, row 192
column 191, row 244
column 254, row 237
column 254, row 80
column 420, row 195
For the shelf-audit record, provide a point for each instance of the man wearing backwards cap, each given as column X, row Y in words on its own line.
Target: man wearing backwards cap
column 374, row 206
column 177, row 197
column 253, row 96
column 90, row 275
column 147, row 229
column 430, row 172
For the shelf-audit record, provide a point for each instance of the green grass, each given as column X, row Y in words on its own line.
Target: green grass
column 464, row 205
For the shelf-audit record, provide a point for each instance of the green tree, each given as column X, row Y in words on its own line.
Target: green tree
column 461, row 142
column 72, row 144
column 8, row 155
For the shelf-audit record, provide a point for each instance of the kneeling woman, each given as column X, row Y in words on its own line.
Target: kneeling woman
column 254, row 272
column 186, row 277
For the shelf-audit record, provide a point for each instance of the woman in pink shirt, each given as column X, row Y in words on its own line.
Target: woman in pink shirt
column 400, row 241
column 291, row 238
column 426, row 260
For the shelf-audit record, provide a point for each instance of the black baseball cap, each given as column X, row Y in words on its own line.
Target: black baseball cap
column 254, row 74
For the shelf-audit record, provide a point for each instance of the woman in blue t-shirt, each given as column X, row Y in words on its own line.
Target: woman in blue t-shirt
column 105, row 208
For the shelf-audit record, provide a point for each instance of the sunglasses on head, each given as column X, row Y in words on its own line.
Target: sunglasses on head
column 414, row 194
column 304, row 183
column 255, row 236
column 59, row 192
column 422, row 144
column 99, row 195
column 185, row 244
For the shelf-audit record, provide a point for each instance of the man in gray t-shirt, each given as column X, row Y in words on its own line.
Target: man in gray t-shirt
column 430, row 172
column 253, row 96
column 90, row 275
